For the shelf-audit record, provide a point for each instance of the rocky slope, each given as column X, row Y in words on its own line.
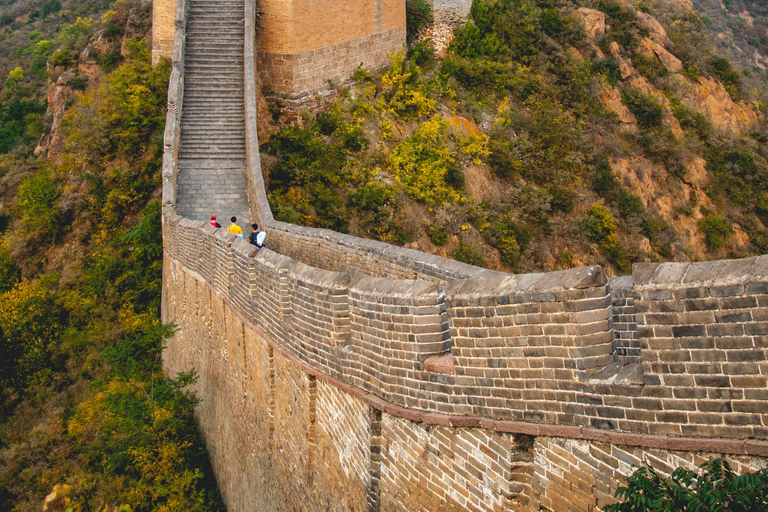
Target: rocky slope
column 604, row 132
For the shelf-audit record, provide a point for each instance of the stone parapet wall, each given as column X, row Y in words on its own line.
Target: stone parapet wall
column 285, row 436
column 537, row 348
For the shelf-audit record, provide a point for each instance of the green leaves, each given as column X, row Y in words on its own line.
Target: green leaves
column 715, row 488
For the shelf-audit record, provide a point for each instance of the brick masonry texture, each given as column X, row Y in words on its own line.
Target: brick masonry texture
column 301, row 75
column 282, row 438
column 345, row 374
column 302, row 44
column 163, row 26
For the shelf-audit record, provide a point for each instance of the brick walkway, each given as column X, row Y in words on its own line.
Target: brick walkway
column 212, row 177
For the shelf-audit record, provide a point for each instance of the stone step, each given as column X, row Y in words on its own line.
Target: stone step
column 210, row 153
column 215, row 46
column 214, row 124
column 196, row 80
column 208, row 67
column 219, row 53
column 211, row 165
column 215, row 93
column 200, row 124
column 202, row 9
column 213, row 105
column 218, row 28
column 212, row 143
column 216, row 137
column 202, row 112
column 212, row 140
column 229, row 17
column 233, row 58
column 199, row 109
column 213, row 150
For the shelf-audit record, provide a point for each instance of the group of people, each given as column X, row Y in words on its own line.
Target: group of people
column 256, row 237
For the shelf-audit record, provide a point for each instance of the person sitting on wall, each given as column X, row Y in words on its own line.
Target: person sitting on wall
column 214, row 223
column 257, row 237
column 234, row 228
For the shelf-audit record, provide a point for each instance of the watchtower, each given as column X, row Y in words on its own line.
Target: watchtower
column 303, row 44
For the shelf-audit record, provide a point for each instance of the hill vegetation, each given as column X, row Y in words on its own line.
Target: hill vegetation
column 85, row 409
column 551, row 133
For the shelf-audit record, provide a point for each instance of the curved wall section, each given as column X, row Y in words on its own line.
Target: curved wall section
column 343, row 374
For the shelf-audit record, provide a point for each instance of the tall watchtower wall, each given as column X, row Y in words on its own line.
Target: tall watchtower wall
column 303, row 45
column 344, row 374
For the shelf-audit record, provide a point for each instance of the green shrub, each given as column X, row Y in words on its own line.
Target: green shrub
column 50, row 7
column 629, row 204
column 470, row 255
column 562, row 199
column 551, row 22
column 716, row 487
column 10, row 274
column 422, row 163
column 36, row 203
column 418, row 13
column 40, row 53
column 503, row 161
column 438, row 234
column 609, row 68
column 61, row 58
column 723, row 70
column 645, row 107
column 30, row 328
column 423, row 55
column 601, row 226
column 509, row 250
column 716, row 231
column 110, row 60
column 649, row 67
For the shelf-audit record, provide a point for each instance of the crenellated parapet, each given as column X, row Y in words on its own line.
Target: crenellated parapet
column 533, row 348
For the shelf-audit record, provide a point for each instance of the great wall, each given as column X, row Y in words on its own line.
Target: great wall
column 337, row 373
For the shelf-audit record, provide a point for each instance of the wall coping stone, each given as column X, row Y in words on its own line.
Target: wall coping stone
column 704, row 273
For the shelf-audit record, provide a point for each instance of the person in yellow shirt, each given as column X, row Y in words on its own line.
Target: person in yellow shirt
column 234, row 228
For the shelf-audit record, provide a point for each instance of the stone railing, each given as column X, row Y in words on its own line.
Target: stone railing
column 438, row 341
column 524, row 353
column 172, row 135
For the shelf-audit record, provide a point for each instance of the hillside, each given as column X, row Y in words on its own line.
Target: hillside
column 87, row 417
column 547, row 135
column 740, row 30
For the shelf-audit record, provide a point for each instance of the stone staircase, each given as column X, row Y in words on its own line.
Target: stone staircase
column 212, row 176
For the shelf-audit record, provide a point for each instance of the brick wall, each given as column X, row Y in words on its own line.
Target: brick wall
column 536, row 348
column 286, row 436
column 163, row 26
column 303, row 44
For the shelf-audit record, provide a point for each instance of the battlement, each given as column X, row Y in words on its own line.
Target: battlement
column 533, row 348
